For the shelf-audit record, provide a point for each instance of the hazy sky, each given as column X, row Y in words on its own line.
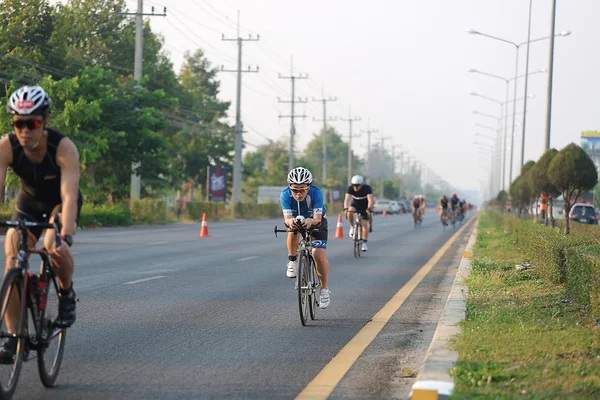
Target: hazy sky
column 402, row 65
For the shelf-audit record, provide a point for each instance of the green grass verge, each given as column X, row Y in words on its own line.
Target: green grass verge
column 519, row 338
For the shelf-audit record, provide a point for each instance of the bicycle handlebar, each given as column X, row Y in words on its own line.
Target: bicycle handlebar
column 298, row 230
column 26, row 225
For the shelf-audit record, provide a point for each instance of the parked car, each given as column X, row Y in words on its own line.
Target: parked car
column 584, row 213
column 389, row 206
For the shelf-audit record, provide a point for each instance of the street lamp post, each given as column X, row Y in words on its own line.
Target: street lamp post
column 517, row 46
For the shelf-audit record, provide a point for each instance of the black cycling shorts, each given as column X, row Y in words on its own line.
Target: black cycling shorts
column 361, row 210
column 30, row 209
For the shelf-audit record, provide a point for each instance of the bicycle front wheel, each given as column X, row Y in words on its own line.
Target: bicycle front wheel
column 10, row 297
column 50, row 338
column 357, row 231
column 315, row 285
column 303, row 287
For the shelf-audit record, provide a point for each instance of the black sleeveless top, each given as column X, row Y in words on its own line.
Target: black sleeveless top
column 39, row 181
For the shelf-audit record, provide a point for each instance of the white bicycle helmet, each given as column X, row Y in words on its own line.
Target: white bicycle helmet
column 299, row 176
column 29, row 100
column 356, row 180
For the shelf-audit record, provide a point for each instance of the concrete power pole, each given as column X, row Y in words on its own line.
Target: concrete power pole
column 382, row 159
column 237, row 161
column 293, row 116
column 350, row 120
column 369, row 131
column 136, row 181
column 324, row 100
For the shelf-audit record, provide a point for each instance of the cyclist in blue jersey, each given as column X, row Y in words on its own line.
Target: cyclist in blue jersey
column 302, row 198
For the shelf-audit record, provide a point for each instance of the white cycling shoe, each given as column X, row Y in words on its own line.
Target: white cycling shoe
column 292, row 269
column 324, row 298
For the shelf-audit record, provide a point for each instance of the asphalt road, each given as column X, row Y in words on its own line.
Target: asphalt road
column 164, row 314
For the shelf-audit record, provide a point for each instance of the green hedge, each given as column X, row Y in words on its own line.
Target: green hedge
column 572, row 260
column 583, row 277
column 148, row 211
column 91, row 216
column 215, row 211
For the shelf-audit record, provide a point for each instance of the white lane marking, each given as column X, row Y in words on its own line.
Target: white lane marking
column 246, row 258
column 162, row 271
column 157, row 243
column 145, row 279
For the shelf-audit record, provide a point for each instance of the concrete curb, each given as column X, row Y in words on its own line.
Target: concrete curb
column 434, row 381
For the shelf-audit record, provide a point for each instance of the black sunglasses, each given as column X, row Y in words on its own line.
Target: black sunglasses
column 31, row 124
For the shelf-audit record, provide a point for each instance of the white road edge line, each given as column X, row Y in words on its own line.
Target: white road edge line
column 157, row 243
column 144, row 280
column 246, row 258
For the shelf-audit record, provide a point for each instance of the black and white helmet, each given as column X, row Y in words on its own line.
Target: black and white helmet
column 299, row 176
column 356, row 180
column 29, row 100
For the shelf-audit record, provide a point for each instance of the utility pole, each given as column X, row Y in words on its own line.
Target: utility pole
column 324, row 100
column 293, row 116
column 550, row 73
column 136, row 181
column 369, row 131
column 382, row 159
column 350, row 120
column 237, row 161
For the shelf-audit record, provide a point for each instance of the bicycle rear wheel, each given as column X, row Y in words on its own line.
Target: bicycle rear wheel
column 50, row 338
column 303, row 287
column 10, row 298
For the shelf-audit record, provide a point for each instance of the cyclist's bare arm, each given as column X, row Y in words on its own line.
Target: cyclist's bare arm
column 370, row 201
column 347, row 201
column 67, row 158
column 5, row 158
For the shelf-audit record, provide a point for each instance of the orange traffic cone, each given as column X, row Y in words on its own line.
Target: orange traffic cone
column 339, row 230
column 384, row 213
column 203, row 227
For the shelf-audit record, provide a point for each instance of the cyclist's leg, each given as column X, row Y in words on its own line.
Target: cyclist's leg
column 292, row 244
column 350, row 217
column 64, row 265
column 62, row 262
column 364, row 223
column 319, row 253
column 23, row 210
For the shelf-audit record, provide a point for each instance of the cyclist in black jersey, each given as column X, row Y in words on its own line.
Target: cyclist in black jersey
column 47, row 164
column 359, row 198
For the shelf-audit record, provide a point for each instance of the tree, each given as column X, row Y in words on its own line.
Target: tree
column 526, row 191
column 572, row 171
column 267, row 166
column 501, row 199
column 540, row 182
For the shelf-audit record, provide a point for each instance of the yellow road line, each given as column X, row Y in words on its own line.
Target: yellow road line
column 329, row 377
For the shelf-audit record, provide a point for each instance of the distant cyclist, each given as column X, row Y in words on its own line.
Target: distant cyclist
column 443, row 207
column 359, row 198
column 416, row 208
column 455, row 204
column 302, row 198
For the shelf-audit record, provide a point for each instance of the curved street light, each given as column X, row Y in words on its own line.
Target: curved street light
column 517, row 46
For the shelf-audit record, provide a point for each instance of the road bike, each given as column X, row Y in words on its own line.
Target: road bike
column 307, row 283
column 35, row 296
column 357, row 234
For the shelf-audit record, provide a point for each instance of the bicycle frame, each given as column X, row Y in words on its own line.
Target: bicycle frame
column 38, row 305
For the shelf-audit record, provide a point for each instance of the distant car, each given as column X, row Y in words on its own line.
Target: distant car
column 389, row 206
column 584, row 213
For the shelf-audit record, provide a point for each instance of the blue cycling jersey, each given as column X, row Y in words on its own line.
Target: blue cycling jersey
column 312, row 204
